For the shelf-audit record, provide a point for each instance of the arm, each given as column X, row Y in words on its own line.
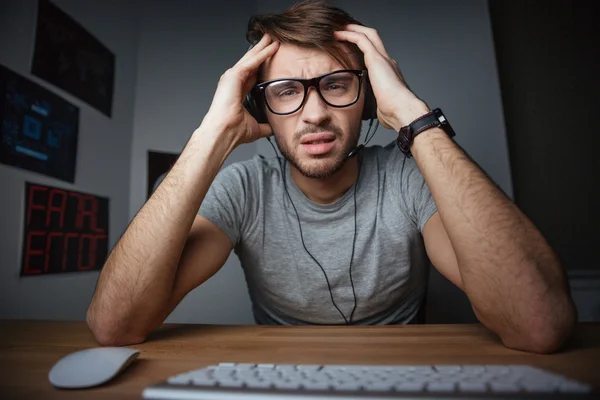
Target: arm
column 480, row 240
column 137, row 287
column 484, row 244
column 167, row 249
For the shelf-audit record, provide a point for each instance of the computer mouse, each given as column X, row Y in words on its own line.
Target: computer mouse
column 91, row 367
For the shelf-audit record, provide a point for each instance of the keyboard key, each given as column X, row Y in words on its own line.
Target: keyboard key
column 181, row 379
column 286, row 368
column 246, row 366
column 230, row 382
column 259, row 384
column 379, row 386
column 309, row 368
column 287, row 385
column 440, row 387
column 473, row 369
column 540, row 386
column 422, row 369
column 448, row 369
column 347, row 386
column 204, row 380
column 497, row 369
column 505, row 387
column 574, row 387
column 315, row 385
column 410, row 387
column 472, row 387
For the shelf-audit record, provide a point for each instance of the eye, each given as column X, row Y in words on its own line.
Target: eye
column 287, row 93
column 334, row 86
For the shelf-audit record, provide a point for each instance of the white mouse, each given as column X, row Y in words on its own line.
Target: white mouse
column 90, row 367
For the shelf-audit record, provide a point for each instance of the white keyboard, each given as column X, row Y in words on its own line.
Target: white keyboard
column 269, row 381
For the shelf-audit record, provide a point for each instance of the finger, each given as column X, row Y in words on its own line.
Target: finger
column 361, row 40
column 250, row 64
column 262, row 43
column 372, row 35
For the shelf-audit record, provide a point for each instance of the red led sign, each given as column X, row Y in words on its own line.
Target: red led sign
column 65, row 231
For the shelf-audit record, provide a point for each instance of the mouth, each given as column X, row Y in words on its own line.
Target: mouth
column 318, row 143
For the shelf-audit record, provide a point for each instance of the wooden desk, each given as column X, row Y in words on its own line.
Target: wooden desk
column 29, row 349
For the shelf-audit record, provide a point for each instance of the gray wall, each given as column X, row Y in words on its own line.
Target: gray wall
column 183, row 50
column 103, row 158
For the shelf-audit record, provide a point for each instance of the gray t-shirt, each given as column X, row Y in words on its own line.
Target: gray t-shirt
column 247, row 200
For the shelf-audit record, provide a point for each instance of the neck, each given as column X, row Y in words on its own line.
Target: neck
column 327, row 190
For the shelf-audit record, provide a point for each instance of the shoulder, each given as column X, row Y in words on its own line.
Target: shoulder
column 387, row 157
column 253, row 170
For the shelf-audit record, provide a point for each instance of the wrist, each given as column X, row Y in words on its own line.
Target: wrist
column 215, row 130
column 406, row 114
column 218, row 140
column 426, row 139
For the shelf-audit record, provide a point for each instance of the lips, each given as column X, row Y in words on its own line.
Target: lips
column 318, row 143
column 318, row 138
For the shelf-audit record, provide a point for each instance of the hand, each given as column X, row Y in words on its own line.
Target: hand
column 227, row 111
column 397, row 106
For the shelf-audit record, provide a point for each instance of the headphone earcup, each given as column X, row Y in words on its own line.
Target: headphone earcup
column 370, row 108
column 255, row 109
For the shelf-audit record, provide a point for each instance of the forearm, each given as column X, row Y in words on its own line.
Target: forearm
column 513, row 278
column 137, row 279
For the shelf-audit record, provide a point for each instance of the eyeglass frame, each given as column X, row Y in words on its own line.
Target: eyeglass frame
column 307, row 84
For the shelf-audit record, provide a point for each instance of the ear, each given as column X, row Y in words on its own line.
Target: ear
column 370, row 104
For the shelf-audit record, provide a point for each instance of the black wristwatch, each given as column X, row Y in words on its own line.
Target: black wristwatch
column 433, row 119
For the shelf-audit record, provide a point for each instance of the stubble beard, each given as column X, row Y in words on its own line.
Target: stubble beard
column 319, row 166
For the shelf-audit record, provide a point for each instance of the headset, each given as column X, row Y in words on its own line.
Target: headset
column 254, row 104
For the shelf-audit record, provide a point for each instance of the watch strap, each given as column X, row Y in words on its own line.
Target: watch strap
column 432, row 119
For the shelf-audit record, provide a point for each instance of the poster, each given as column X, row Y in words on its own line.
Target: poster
column 65, row 231
column 38, row 129
column 68, row 56
column 159, row 164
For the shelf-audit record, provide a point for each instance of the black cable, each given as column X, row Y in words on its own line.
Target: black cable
column 354, row 240
column 283, row 177
column 367, row 138
column 403, row 162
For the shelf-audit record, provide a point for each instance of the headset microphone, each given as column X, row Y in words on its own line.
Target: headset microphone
column 368, row 138
column 356, row 150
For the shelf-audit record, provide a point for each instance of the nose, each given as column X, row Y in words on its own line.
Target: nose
column 315, row 110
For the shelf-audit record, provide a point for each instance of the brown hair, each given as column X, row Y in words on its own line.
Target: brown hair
column 311, row 24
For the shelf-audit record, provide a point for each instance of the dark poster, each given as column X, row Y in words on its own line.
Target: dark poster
column 158, row 166
column 68, row 56
column 65, row 231
column 38, row 129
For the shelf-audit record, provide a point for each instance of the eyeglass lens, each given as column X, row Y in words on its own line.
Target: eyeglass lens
column 338, row 89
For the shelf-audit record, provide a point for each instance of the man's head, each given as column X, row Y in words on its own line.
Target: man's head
column 317, row 137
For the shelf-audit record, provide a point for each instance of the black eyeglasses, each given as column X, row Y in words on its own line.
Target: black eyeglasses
column 337, row 89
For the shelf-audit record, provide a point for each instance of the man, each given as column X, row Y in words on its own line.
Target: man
column 325, row 238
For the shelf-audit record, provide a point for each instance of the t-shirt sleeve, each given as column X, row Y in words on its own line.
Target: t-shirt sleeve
column 412, row 190
column 225, row 202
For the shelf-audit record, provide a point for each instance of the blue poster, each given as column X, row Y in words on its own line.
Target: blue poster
column 38, row 129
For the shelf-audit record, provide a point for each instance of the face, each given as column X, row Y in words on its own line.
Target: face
column 317, row 138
